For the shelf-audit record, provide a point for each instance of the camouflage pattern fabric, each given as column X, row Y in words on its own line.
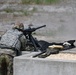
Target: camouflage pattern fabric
column 11, row 38
column 14, row 39
column 6, row 61
column 11, row 43
column 23, row 42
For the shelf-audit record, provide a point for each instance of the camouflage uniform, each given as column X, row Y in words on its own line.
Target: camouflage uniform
column 6, row 62
column 11, row 44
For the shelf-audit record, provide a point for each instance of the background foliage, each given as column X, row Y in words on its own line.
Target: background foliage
column 39, row 1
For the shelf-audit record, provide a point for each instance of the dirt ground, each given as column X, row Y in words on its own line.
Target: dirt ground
column 59, row 19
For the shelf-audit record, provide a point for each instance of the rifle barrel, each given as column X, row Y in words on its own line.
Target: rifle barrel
column 40, row 27
column 27, row 31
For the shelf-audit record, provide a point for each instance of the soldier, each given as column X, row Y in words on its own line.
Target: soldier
column 11, row 44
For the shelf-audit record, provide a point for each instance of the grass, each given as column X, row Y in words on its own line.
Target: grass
column 26, row 13
column 8, row 10
column 39, row 1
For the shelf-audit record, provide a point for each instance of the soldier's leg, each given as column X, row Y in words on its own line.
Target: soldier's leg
column 10, row 65
column 3, row 65
column 6, row 64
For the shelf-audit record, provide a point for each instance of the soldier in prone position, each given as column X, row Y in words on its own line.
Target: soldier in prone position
column 11, row 44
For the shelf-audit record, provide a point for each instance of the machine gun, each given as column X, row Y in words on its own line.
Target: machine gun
column 31, row 40
column 42, row 45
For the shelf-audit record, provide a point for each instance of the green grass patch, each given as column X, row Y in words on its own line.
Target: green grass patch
column 8, row 10
column 39, row 1
column 26, row 13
